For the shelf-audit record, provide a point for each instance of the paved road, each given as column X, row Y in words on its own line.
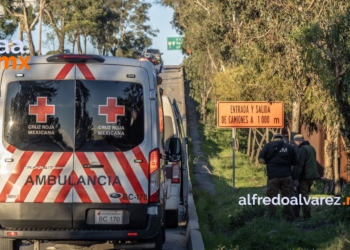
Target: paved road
column 173, row 87
column 175, row 238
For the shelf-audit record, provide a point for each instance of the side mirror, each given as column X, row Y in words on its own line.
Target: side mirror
column 174, row 152
column 175, row 146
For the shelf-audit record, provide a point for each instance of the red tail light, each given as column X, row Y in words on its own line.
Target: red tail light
column 74, row 58
column 176, row 174
column 154, row 176
column 132, row 234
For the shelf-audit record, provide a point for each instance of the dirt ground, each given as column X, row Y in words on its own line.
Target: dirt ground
column 201, row 171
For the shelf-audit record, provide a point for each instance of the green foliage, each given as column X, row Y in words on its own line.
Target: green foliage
column 342, row 213
column 290, row 51
column 7, row 28
column 224, row 224
column 114, row 27
column 17, row 14
column 53, row 52
column 246, row 215
column 122, row 29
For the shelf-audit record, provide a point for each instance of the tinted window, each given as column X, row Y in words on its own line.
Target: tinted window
column 153, row 51
column 39, row 115
column 86, row 115
column 109, row 115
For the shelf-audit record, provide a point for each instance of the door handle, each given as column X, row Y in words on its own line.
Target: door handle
column 93, row 166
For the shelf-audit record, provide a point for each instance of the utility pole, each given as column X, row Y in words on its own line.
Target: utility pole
column 233, row 158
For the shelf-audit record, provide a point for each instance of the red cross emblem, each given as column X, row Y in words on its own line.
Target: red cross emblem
column 111, row 110
column 41, row 109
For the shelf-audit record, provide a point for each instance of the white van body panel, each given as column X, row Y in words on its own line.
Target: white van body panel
column 57, row 179
column 173, row 189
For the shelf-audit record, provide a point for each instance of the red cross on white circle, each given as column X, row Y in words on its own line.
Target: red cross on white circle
column 41, row 109
column 111, row 110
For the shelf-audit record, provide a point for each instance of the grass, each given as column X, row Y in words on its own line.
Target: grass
column 224, row 224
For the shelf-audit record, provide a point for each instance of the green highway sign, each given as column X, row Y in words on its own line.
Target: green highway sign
column 174, row 43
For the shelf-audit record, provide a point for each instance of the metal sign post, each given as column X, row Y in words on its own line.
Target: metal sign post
column 233, row 157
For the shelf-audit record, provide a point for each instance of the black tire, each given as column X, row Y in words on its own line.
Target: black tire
column 186, row 213
column 163, row 229
column 171, row 218
column 159, row 240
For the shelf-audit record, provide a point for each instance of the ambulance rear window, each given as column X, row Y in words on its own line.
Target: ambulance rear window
column 39, row 115
column 67, row 115
column 111, row 117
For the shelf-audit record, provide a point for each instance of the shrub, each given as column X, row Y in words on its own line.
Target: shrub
column 247, row 214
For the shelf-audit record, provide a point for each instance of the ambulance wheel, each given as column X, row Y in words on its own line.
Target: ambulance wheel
column 159, row 240
column 163, row 229
column 186, row 213
column 171, row 218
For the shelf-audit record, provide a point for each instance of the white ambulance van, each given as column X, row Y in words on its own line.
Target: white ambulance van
column 176, row 169
column 81, row 153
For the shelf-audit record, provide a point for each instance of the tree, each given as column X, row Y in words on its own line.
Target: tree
column 328, row 44
column 25, row 15
column 7, row 28
column 295, row 51
column 122, row 30
column 83, row 21
column 42, row 5
column 58, row 13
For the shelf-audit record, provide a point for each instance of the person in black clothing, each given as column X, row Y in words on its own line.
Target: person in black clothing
column 306, row 171
column 279, row 157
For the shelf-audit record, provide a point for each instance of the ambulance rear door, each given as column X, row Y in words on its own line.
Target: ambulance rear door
column 37, row 115
column 112, row 146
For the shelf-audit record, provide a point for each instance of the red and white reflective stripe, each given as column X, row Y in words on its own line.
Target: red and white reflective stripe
column 64, row 71
column 140, row 156
column 113, row 172
column 86, row 71
column 97, row 192
column 45, row 189
column 25, row 191
column 15, row 174
column 124, row 163
column 68, row 67
column 11, row 148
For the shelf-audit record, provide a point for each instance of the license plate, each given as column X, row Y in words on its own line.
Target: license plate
column 108, row 216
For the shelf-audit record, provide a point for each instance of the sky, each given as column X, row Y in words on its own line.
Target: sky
column 160, row 18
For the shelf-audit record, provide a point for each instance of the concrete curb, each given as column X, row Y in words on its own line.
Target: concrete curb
column 194, row 240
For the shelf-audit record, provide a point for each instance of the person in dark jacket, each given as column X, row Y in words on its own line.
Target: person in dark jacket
column 306, row 171
column 279, row 157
